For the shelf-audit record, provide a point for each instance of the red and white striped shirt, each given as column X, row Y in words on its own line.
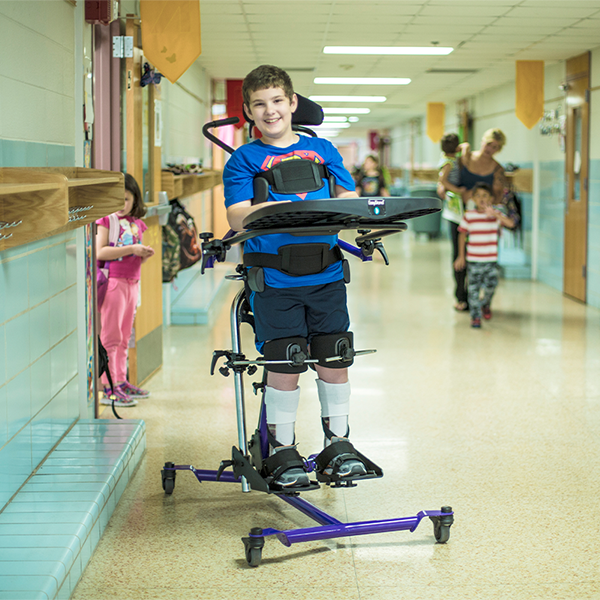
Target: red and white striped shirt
column 482, row 236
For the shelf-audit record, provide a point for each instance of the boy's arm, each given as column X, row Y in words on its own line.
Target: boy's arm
column 342, row 192
column 236, row 213
column 505, row 220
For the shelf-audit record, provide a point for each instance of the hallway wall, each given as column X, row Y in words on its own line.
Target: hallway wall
column 38, row 289
column 528, row 149
column 186, row 107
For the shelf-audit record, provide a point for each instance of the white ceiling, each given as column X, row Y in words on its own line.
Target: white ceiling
column 487, row 35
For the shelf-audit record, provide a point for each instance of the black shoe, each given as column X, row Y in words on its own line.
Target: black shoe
column 285, row 469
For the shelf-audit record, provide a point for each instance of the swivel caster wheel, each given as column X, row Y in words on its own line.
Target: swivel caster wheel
column 168, row 478
column 442, row 524
column 253, row 547
column 253, row 556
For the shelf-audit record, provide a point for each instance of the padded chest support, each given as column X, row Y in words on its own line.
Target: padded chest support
column 296, row 259
column 294, row 176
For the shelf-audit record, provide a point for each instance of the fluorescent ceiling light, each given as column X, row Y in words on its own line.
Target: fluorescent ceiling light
column 346, row 111
column 389, row 50
column 333, row 125
column 363, row 80
column 348, row 98
column 353, row 119
column 335, row 119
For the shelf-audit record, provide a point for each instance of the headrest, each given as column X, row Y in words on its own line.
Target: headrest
column 307, row 113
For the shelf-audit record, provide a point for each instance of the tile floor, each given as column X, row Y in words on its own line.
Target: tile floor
column 501, row 423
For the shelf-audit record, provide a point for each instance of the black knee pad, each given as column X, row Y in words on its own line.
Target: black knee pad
column 293, row 349
column 333, row 344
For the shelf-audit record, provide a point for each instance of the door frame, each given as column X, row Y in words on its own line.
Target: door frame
column 576, row 210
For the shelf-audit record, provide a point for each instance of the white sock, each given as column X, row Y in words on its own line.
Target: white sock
column 281, row 410
column 335, row 405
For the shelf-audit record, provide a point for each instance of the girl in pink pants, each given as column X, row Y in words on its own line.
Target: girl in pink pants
column 117, row 312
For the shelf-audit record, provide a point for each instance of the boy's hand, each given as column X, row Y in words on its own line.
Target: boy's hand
column 490, row 211
column 460, row 264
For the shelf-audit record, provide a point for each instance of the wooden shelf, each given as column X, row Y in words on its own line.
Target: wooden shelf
column 521, row 179
column 182, row 186
column 39, row 202
column 9, row 189
column 96, row 181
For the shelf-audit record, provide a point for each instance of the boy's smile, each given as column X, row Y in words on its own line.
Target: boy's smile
column 271, row 111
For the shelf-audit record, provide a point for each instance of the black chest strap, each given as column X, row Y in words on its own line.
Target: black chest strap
column 296, row 259
column 293, row 176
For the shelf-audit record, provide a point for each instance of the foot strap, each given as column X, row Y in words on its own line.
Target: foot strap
column 334, row 455
column 329, row 461
column 282, row 460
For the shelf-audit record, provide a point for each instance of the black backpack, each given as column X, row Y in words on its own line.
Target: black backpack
column 171, row 252
column 183, row 224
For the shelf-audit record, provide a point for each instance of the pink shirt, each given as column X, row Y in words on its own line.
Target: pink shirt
column 131, row 230
column 482, row 236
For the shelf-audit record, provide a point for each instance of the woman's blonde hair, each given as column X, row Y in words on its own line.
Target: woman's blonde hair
column 495, row 135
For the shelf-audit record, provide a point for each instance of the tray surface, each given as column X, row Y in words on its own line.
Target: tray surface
column 340, row 212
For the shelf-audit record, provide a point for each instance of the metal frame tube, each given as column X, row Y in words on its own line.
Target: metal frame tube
column 240, row 406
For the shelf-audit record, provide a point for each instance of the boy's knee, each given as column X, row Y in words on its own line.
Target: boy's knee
column 292, row 350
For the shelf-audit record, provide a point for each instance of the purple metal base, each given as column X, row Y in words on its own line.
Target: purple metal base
column 329, row 527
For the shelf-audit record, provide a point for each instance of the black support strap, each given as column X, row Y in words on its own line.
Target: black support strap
column 281, row 461
column 296, row 259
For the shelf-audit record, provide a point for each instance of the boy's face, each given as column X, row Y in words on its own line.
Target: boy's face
column 482, row 199
column 271, row 111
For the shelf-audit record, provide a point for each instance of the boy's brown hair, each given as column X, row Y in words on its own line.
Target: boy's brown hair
column 480, row 185
column 450, row 143
column 266, row 77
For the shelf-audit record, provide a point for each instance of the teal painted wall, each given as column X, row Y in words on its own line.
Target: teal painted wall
column 38, row 354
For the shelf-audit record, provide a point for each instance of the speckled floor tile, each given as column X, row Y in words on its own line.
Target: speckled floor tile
column 502, row 424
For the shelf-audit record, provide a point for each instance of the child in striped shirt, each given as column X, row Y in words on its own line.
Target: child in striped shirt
column 478, row 249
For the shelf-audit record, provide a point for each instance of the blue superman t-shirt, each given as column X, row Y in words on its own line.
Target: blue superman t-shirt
column 238, row 176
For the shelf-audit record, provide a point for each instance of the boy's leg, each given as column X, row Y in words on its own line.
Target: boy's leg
column 281, row 399
column 490, row 282
column 282, row 396
column 334, row 395
column 474, row 273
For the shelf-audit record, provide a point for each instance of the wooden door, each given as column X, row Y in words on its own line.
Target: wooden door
column 576, row 177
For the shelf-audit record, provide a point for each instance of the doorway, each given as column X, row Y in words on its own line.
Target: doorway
column 576, row 177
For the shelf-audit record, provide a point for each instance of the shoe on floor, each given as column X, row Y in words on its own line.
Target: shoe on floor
column 476, row 323
column 343, row 467
column 133, row 391
column 120, row 398
column 294, row 477
column 461, row 306
column 487, row 312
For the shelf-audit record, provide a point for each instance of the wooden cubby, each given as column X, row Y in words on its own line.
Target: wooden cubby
column 521, row 179
column 182, row 186
column 39, row 202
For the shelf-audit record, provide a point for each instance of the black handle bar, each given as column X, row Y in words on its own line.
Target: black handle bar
column 216, row 140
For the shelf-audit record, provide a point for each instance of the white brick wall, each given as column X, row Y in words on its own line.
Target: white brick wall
column 37, row 71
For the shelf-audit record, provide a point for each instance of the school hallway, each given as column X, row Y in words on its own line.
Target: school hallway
column 502, row 424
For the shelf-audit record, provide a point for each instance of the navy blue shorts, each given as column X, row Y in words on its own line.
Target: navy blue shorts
column 302, row 311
